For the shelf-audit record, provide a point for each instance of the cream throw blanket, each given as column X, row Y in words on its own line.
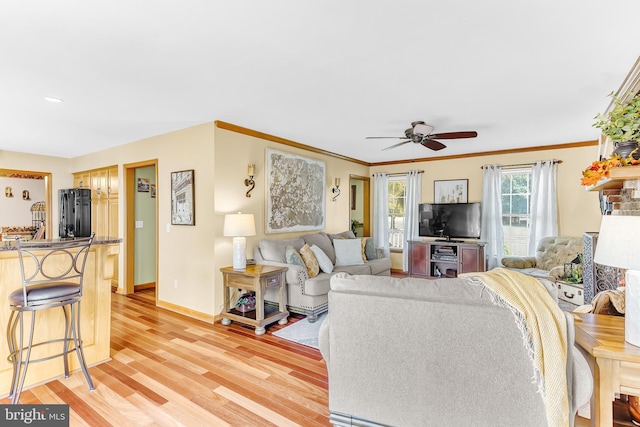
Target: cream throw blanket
column 546, row 325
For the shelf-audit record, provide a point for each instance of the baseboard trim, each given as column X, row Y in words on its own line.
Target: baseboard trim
column 141, row 286
column 186, row 311
column 399, row 273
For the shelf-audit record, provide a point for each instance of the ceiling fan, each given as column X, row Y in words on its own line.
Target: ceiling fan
column 420, row 133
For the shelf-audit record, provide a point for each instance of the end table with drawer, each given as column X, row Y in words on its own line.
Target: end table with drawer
column 257, row 278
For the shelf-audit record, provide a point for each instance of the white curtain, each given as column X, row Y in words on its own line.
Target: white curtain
column 413, row 195
column 381, row 212
column 544, row 208
column 491, row 231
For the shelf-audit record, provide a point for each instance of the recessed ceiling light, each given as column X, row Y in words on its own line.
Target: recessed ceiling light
column 52, row 99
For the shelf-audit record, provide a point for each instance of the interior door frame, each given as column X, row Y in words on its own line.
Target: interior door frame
column 366, row 197
column 130, row 186
column 49, row 231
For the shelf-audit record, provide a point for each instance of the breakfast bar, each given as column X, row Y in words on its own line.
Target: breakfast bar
column 95, row 314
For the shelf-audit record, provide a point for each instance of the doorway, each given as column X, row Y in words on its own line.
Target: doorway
column 30, row 206
column 359, row 205
column 141, row 226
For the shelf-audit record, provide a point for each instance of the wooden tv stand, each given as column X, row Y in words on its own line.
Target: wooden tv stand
column 436, row 259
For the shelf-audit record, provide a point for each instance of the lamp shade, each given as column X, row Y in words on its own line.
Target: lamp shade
column 239, row 225
column 618, row 243
column 618, row 246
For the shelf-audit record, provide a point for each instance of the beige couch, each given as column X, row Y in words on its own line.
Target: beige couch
column 417, row 352
column 308, row 295
column 551, row 255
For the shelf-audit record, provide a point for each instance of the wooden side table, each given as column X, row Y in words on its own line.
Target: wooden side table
column 617, row 363
column 257, row 278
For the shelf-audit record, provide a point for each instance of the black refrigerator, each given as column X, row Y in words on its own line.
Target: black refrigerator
column 74, row 212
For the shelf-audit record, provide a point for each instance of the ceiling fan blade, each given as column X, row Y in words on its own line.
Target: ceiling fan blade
column 433, row 145
column 453, row 135
column 395, row 145
column 385, row 137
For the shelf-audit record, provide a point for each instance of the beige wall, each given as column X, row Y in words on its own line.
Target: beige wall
column 58, row 167
column 193, row 255
column 578, row 209
column 233, row 152
column 185, row 253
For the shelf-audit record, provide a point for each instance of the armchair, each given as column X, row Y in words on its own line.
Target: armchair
column 551, row 255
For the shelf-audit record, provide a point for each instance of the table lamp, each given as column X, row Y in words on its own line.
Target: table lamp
column 238, row 226
column 619, row 246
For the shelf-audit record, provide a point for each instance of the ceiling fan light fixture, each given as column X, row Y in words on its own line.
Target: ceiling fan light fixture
column 422, row 133
column 422, row 129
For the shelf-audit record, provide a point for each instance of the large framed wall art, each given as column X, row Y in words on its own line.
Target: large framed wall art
column 183, row 203
column 296, row 199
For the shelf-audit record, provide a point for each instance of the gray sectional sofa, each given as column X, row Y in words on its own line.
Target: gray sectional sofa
column 308, row 295
column 417, row 352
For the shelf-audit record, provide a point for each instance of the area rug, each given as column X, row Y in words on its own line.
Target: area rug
column 302, row 332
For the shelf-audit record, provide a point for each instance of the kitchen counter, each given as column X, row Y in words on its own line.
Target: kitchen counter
column 9, row 245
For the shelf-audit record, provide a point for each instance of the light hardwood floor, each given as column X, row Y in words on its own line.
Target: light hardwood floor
column 170, row 370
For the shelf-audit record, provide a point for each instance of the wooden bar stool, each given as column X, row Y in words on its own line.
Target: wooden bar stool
column 52, row 276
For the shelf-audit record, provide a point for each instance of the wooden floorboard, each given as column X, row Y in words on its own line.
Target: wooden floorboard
column 171, row 370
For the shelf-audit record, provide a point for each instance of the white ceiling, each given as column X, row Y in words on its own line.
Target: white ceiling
column 325, row 73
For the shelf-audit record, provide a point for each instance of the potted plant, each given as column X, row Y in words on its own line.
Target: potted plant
column 622, row 125
column 246, row 302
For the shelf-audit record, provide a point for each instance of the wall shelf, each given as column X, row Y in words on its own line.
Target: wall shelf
column 616, row 177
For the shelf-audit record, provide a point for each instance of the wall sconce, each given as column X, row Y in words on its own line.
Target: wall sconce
column 336, row 190
column 250, row 182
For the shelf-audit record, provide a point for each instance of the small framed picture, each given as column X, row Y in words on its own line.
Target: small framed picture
column 450, row 191
column 183, row 198
column 153, row 190
column 143, row 185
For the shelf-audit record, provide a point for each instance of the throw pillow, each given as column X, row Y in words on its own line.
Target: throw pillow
column 370, row 249
column 344, row 235
column 323, row 260
column 293, row 256
column 321, row 240
column 310, row 261
column 364, row 242
column 348, row 251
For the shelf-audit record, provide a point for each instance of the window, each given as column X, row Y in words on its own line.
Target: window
column 516, row 212
column 397, row 187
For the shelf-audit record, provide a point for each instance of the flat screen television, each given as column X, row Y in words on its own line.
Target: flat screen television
column 450, row 220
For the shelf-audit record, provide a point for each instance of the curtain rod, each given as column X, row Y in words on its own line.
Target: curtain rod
column 525, row 164
column 399, row 173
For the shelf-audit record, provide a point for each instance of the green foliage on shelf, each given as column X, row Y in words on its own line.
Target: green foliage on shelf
column 623, row 121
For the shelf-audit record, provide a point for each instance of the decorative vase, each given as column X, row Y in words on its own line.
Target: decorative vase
column 624, row 148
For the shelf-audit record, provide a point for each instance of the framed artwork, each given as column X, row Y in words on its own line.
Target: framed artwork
column 296, row 199
column 183, row 210
column 450, row 191
column 153, row 190
column 143, row 185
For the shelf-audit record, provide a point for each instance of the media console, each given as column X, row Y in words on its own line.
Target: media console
column 435, row 259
